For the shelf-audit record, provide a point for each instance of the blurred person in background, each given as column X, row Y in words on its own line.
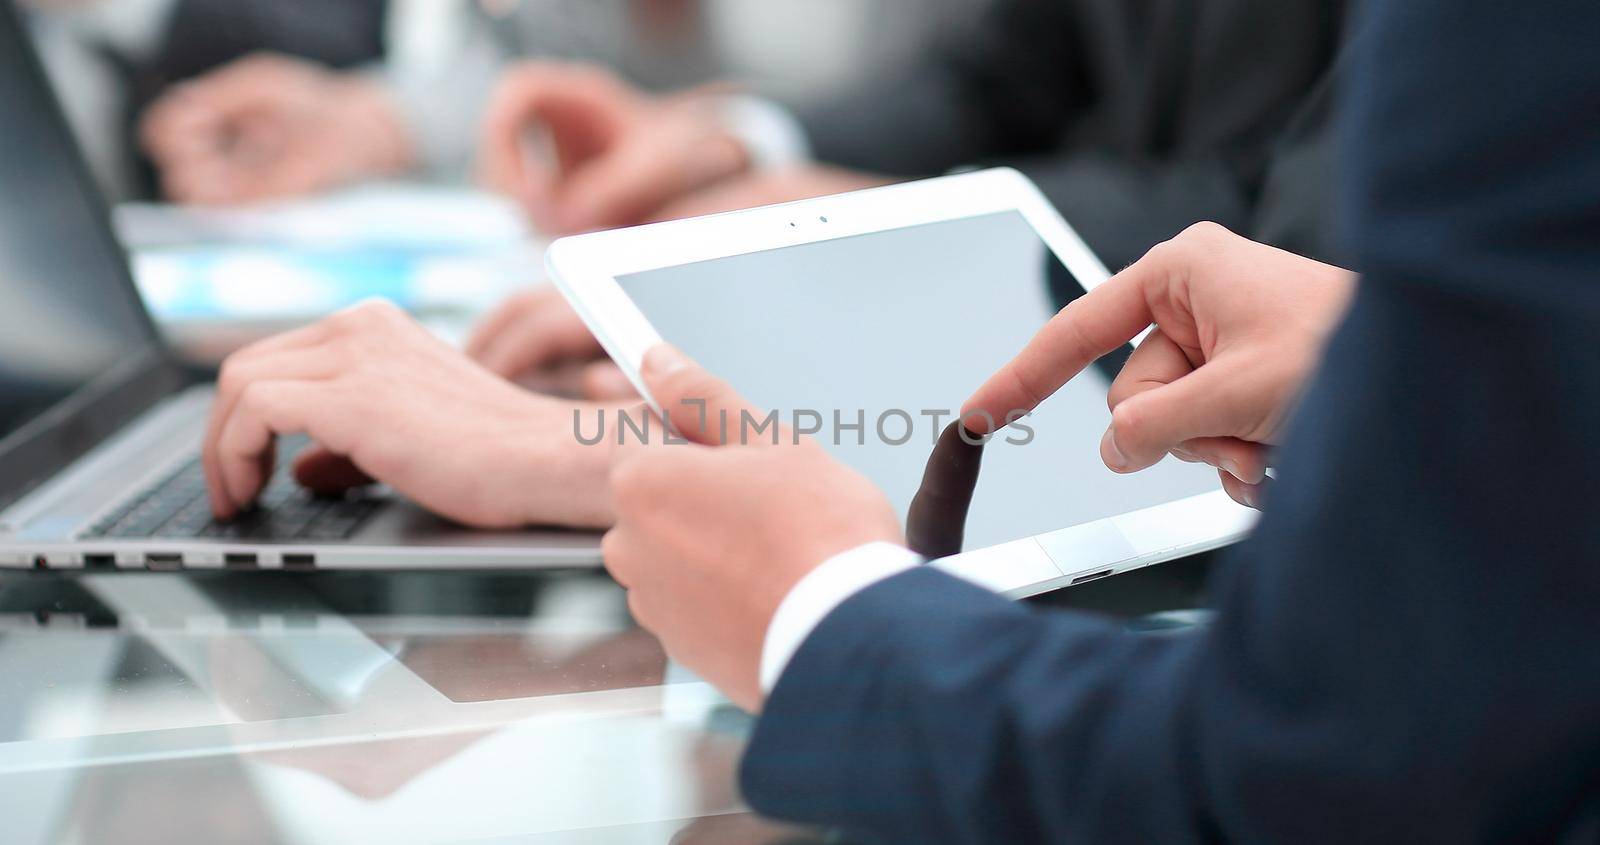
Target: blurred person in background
column 1136, row 119
column 271, row 126
column 111, row 60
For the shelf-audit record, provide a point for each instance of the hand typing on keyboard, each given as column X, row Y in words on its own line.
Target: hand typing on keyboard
column 176, row 506
column 382, row 399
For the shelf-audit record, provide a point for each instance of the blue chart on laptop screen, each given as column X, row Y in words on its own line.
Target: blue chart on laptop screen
column 426, row 248
column 888, row 327
column 199, row 283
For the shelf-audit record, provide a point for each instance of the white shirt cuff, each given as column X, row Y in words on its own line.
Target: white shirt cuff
column 769, row 132
column 818, row 593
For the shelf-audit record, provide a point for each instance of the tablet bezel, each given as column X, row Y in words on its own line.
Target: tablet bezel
column 586, row 268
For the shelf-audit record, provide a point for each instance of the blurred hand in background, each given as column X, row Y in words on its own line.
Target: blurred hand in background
column 269, row 126
column 581, row 149
column 536, row 339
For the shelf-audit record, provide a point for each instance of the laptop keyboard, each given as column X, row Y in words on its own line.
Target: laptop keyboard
column 178, row 507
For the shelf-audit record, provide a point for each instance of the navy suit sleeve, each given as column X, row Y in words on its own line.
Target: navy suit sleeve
column 990, row 724
column 1405, row 650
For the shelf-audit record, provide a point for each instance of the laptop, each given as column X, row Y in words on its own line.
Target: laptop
column 100, row 427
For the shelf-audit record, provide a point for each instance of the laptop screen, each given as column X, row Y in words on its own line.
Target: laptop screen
column 71, row 325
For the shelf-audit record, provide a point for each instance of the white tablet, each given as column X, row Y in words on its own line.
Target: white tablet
column 867, row 319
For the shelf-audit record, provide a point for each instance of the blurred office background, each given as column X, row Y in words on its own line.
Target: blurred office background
column 218, row 274
column 110, row 59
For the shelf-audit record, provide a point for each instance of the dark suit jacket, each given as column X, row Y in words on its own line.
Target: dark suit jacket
column 1136, row 117
column 1408, row 648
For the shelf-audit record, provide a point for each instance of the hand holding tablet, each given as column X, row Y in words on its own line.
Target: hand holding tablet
column 863, row 319
column 694, row 515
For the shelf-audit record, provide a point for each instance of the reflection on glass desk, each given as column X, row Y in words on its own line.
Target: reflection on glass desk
column 261, row 707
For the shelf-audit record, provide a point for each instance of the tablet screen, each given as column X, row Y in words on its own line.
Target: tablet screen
column 876, row 340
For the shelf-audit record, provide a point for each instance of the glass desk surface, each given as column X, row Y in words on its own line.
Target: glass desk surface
column 267, row 707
